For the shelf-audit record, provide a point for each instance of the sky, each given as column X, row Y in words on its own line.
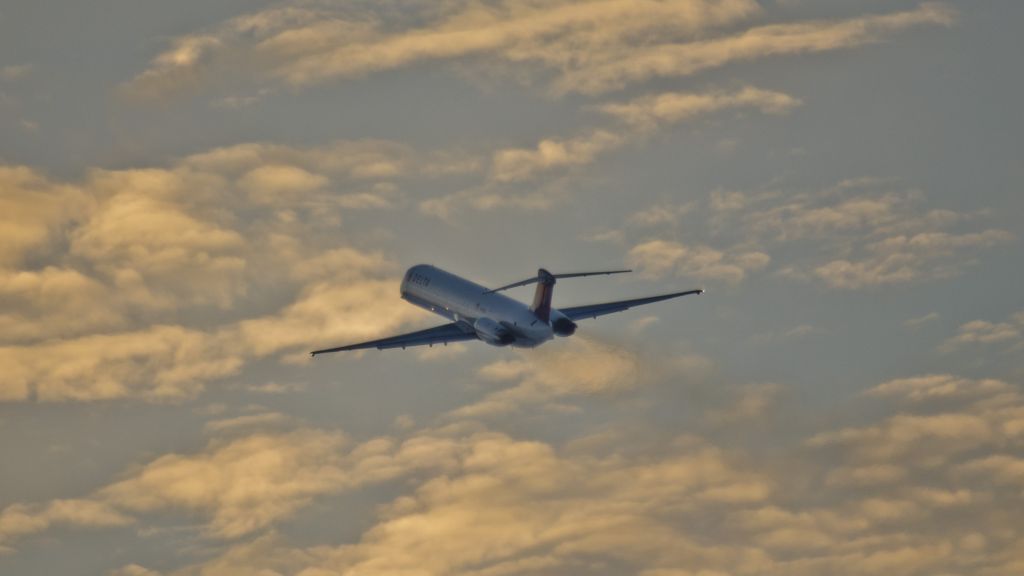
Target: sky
column 195, row 194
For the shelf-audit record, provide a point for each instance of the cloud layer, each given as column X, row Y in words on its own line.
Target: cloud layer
column 125, row 253
column 588, row 47
column 917, row 489
column 857, row 234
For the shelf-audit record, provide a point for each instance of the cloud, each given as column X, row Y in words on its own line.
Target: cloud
column 145, row 241
column 33, row 209
column 177, row 67
column 242, row 485
column 490, row 196
column 656, row 258
column 850, row 206
column 511, row 165
column 300, row 44
column 276, row 388
column 238, row 485
column 864, row 235
column 541, row 509
column 688, row 58
column 1001, row 469
column 343, row 301
column 985, row 333
column 172, row 363
column 751, row 401
column 936, row 435
column 516, row 175
column 134, row 570
column 588, row 47
column 247, row 421
column 506, row 505
column 666, row 214
column 938, row 386
column 158, row 363
column 920, row 489
column 15, row 72
column 135, row 283
column 141, row 234
column 327, row 312
column 509, row 505
column 577, row 368
column 267, row 183
column 921, row 320
column 954, row 415
column 17, row 520
column 868, row 475
column 902, row 259
column 647, row 113
column 52, row 302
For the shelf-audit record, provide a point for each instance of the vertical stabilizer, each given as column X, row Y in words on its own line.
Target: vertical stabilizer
column 542, row 297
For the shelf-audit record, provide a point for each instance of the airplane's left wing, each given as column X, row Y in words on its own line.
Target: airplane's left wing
column 453, row 332
column 595, row 310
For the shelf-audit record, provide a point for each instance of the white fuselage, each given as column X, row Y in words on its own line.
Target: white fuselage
column 510, row 322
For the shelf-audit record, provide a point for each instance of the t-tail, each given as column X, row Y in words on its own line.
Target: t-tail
column 542, row 296
column 545, row 286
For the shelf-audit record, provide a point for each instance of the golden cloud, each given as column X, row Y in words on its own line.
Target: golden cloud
column 1009, row 334
column 657, row 258
column 620, row 69
column 33, row 209
column 579, row 367
column 865, row 235
column 647, row 113
column 588, row 47
column 119, row 256
column 483, row 502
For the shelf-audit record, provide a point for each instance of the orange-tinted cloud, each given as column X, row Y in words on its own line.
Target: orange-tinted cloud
column 588, row 47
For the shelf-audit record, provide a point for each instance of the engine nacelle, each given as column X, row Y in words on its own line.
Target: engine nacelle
column 493, row 333
column 561, row 325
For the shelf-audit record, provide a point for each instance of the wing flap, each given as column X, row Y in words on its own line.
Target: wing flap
column 595, row 310
column 453, row 332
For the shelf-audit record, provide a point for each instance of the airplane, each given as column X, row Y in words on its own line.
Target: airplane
column 479, row 313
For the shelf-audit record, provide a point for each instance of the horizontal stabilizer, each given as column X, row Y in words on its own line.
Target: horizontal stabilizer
column 595, row 310
column 541, row 277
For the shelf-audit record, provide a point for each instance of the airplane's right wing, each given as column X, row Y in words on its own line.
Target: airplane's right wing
column 595, row 310
column 454, row 332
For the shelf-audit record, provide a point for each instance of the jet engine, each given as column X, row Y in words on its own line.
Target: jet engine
column 493, row 333
column 561, row 325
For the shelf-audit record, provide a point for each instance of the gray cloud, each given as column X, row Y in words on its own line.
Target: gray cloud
column 656, row 258
column 865, row 235
column 561, row 159
column 1008, row 334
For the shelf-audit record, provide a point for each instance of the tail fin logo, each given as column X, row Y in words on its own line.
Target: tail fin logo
column 542, row 297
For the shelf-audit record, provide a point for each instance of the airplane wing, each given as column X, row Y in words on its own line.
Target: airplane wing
column 595, row 310
column 453, row 332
